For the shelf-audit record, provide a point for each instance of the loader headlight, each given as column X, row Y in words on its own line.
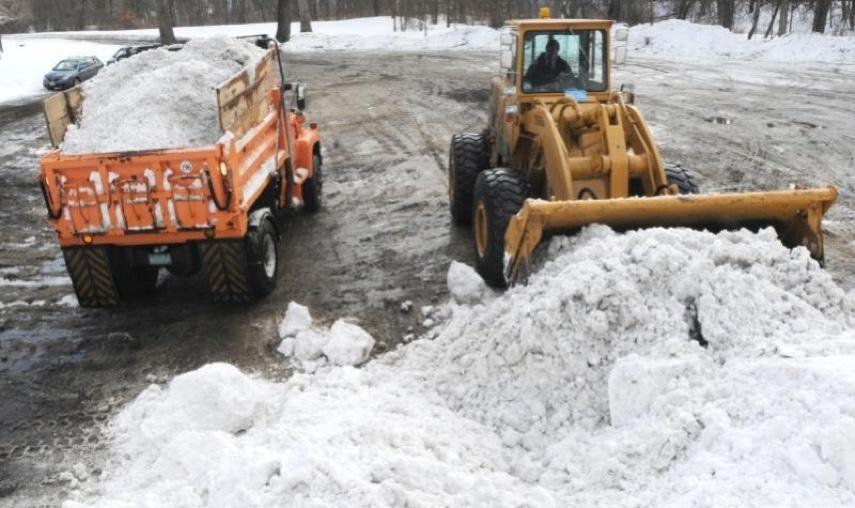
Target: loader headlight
column 224, row 170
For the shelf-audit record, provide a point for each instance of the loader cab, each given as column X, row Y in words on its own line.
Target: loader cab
column 549, row 58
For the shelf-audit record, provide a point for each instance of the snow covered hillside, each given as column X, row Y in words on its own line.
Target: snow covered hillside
column 680, row 39
column 29, row 56
column 654, row 368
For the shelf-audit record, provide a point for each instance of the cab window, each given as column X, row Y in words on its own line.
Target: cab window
column 562, row 60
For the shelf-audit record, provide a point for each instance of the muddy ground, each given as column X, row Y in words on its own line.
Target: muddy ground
column 384, row 237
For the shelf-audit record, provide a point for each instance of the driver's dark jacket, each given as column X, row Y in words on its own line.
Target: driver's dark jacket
column 541, row 72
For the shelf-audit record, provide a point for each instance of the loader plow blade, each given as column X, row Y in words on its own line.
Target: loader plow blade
column 796, row 215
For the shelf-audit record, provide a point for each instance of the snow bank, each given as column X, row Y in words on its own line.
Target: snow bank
column 24, row 62
column 349, row 34
column 159, row 98
column 681, row 39
column 654, row 368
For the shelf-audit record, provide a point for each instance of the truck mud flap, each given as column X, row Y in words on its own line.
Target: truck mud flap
column 225, row 264
column 89, row 268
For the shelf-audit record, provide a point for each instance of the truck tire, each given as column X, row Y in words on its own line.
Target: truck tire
column 92, row 276
column 241, row 271
column 225, row 265
column 262, row 253
column 499, row 194
column 682, row 178
column 131, row 280
column 312, row 189
column 467, row 156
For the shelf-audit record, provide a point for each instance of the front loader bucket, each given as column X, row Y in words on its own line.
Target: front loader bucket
column 795, row 214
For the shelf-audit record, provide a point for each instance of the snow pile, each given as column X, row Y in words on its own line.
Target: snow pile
column 654, row 368
column 25, row 62
column 344, row 343
column 159, row 99
column 682, row 39
column 347, row 34
column 378, row 34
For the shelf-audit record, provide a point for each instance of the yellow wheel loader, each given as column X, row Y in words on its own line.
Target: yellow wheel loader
column 562, row 151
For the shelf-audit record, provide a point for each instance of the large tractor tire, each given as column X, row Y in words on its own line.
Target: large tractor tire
column 682, row 178
column 92, row 276
column 467, row 157
column 499, row 194
column 240, row 271
column 312, row 189
column 131, row 280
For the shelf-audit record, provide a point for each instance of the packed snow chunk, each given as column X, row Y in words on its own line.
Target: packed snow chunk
column 159, row 99
column 348, row 344
column 217, row 397
column 464, row 283
column 635, row 382
column 297, row 319
column 309, row 345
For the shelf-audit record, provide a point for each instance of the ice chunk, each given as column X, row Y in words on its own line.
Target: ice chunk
column 297, row 319
column 464, row 283
column 348, row 344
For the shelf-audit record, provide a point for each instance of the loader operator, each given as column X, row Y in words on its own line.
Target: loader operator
column 548, row 66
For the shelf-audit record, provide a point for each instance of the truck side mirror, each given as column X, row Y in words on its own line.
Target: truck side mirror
column 300, row 93
column 621, row 35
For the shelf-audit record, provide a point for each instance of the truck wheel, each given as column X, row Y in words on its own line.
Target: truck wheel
column 131, row 280
column 499, row 194
column 313, row 187
column 682, row 178
column 262, row 255
column 91, row 275
column 467, row 157
column 225, row 264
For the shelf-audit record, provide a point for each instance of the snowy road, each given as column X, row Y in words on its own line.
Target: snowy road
column 385, row 236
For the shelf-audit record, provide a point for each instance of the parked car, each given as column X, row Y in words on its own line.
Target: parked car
column 71, row 72
column 129, row 51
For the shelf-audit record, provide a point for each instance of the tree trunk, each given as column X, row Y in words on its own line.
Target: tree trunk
column 613, row 10
column 725, row 13
column 820, row 15
column 283, row 21
column 683, row 9
column 164, row 21
column 772, row 21
column 305, row 16
column 782, row 21
column 239, row 7
column 755, row 18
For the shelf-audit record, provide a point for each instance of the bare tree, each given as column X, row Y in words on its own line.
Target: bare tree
column 725, row 9
column 782, row 20
column 305, row 16
column 165, row 21
column 283, row 21
column 820, row 15
column 772, row 21
column 755, row 18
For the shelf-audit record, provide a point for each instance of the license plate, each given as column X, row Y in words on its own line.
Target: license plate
column 160, row 259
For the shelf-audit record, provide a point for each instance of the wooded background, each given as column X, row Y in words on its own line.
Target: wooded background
column 42, row 15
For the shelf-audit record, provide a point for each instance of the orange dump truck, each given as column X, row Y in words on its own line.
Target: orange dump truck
column 121, row 217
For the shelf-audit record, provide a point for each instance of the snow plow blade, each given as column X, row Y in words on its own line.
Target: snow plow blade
column 796, row 215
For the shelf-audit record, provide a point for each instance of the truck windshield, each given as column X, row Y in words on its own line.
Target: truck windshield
column 563, row 61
